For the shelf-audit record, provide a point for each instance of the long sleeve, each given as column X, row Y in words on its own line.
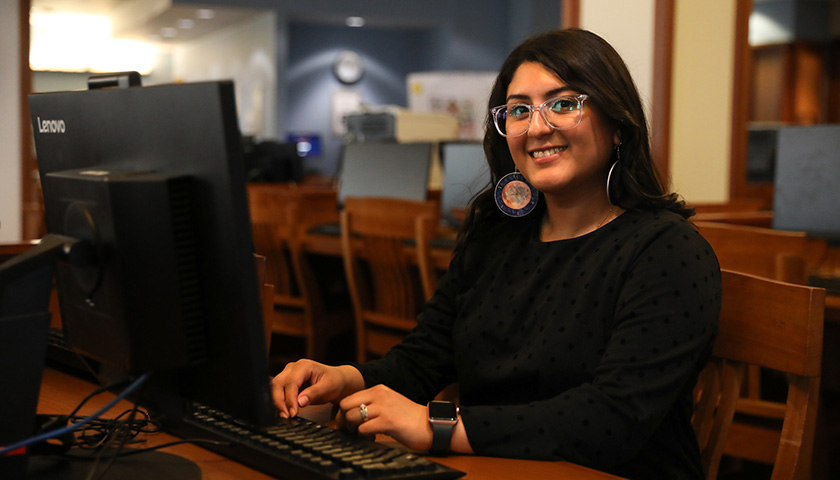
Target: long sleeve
column 585, row 349
column 423, row 364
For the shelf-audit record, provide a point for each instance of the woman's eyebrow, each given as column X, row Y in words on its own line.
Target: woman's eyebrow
column 548, row 94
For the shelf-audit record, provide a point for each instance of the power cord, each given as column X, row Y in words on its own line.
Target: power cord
column 60, row 432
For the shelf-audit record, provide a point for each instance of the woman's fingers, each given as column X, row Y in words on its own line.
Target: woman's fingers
column 382, row 410
column 285, row 387
column 305, row 383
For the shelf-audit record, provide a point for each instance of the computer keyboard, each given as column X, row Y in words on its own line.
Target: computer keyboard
column 300, row 449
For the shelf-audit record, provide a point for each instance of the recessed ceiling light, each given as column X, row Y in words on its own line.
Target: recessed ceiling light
column 185, row 23
column 205, row 13
column 168, row 32
column 355, row 21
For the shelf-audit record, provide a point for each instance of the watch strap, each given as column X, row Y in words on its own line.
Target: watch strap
column 441, row 437
column 443, row 416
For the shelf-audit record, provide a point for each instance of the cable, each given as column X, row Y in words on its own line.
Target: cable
column 136, row 451
column 64, row 430
column 95, row 393
column 115, row 434
column 94, row 434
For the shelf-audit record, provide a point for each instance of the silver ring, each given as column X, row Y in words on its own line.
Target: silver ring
column 363, row 412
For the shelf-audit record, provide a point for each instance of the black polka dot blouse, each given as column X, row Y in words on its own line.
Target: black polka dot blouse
column 584, row 350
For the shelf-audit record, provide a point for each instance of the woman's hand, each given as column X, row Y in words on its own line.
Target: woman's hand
column 388, row 413
column 326, row 384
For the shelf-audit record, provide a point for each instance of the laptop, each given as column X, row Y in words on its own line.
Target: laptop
column 465, row 174
column 374, row 169
column 397, row 170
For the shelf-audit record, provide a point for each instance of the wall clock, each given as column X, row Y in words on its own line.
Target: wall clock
column 348, row 67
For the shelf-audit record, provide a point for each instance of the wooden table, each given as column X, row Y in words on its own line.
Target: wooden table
column 60, row 393
column 330, row 245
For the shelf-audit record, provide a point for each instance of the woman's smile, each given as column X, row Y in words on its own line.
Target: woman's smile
column 546, row 154
column 557, row 162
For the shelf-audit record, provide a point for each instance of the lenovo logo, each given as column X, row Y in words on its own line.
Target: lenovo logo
column 50, row 126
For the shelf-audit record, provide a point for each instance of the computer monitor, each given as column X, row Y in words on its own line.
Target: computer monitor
column 272, row 161
column 398, row 170
column 806, row 196
column 24, row 326
column 153, row 178
column 761, row 152
column 465, row 174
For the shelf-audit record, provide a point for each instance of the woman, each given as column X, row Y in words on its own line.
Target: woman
column 576, row 316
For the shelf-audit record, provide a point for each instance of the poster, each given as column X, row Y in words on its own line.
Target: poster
column 462, row 94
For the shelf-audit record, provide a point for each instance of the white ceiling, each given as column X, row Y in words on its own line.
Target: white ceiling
column 146, row 19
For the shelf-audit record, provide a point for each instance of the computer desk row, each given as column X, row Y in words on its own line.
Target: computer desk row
column 61, row 392
column 321, row 243
column 330, row 244
column 326, row 240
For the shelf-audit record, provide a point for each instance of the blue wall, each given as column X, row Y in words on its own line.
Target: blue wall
column 388, row 56
column 402, row 36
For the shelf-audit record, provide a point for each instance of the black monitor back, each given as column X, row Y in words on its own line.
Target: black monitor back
column 185, row 131
column 384, row 169
column 272, row 161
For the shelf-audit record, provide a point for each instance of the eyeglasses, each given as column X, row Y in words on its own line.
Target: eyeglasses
column 559, row 113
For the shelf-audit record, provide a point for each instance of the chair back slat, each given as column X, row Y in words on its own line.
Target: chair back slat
column 776, row 254
column 385, row 245
column 280, row 215
column 772, row 325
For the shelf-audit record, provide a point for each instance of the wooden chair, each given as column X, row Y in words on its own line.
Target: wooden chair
column 744, row 211
column 280, row 215
column 776, row 254
column 388, row 284
column 773, row 325
column 773, row 254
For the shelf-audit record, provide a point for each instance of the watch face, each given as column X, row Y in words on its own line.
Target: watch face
column 443, row 411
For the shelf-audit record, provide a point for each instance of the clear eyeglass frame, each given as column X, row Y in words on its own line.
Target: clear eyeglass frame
column 574, row 114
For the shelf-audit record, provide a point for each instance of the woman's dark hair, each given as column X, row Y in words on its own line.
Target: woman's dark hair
column 588, row 64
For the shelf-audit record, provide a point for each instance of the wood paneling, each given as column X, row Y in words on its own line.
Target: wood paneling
column 570, row 16
column 789, row 84
column 663, row 53
column 740, row 104
column 31, row 202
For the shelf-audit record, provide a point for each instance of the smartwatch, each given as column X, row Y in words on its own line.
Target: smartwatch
column 443, row 416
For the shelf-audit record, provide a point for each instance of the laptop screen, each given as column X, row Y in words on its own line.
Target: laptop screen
column 465, row 173
column 398, row 170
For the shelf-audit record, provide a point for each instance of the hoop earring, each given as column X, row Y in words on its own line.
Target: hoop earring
column 610, row 174
column 514, row 196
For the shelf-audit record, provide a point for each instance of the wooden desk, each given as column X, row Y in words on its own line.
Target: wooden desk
column 60, row 393
column 330, row 244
